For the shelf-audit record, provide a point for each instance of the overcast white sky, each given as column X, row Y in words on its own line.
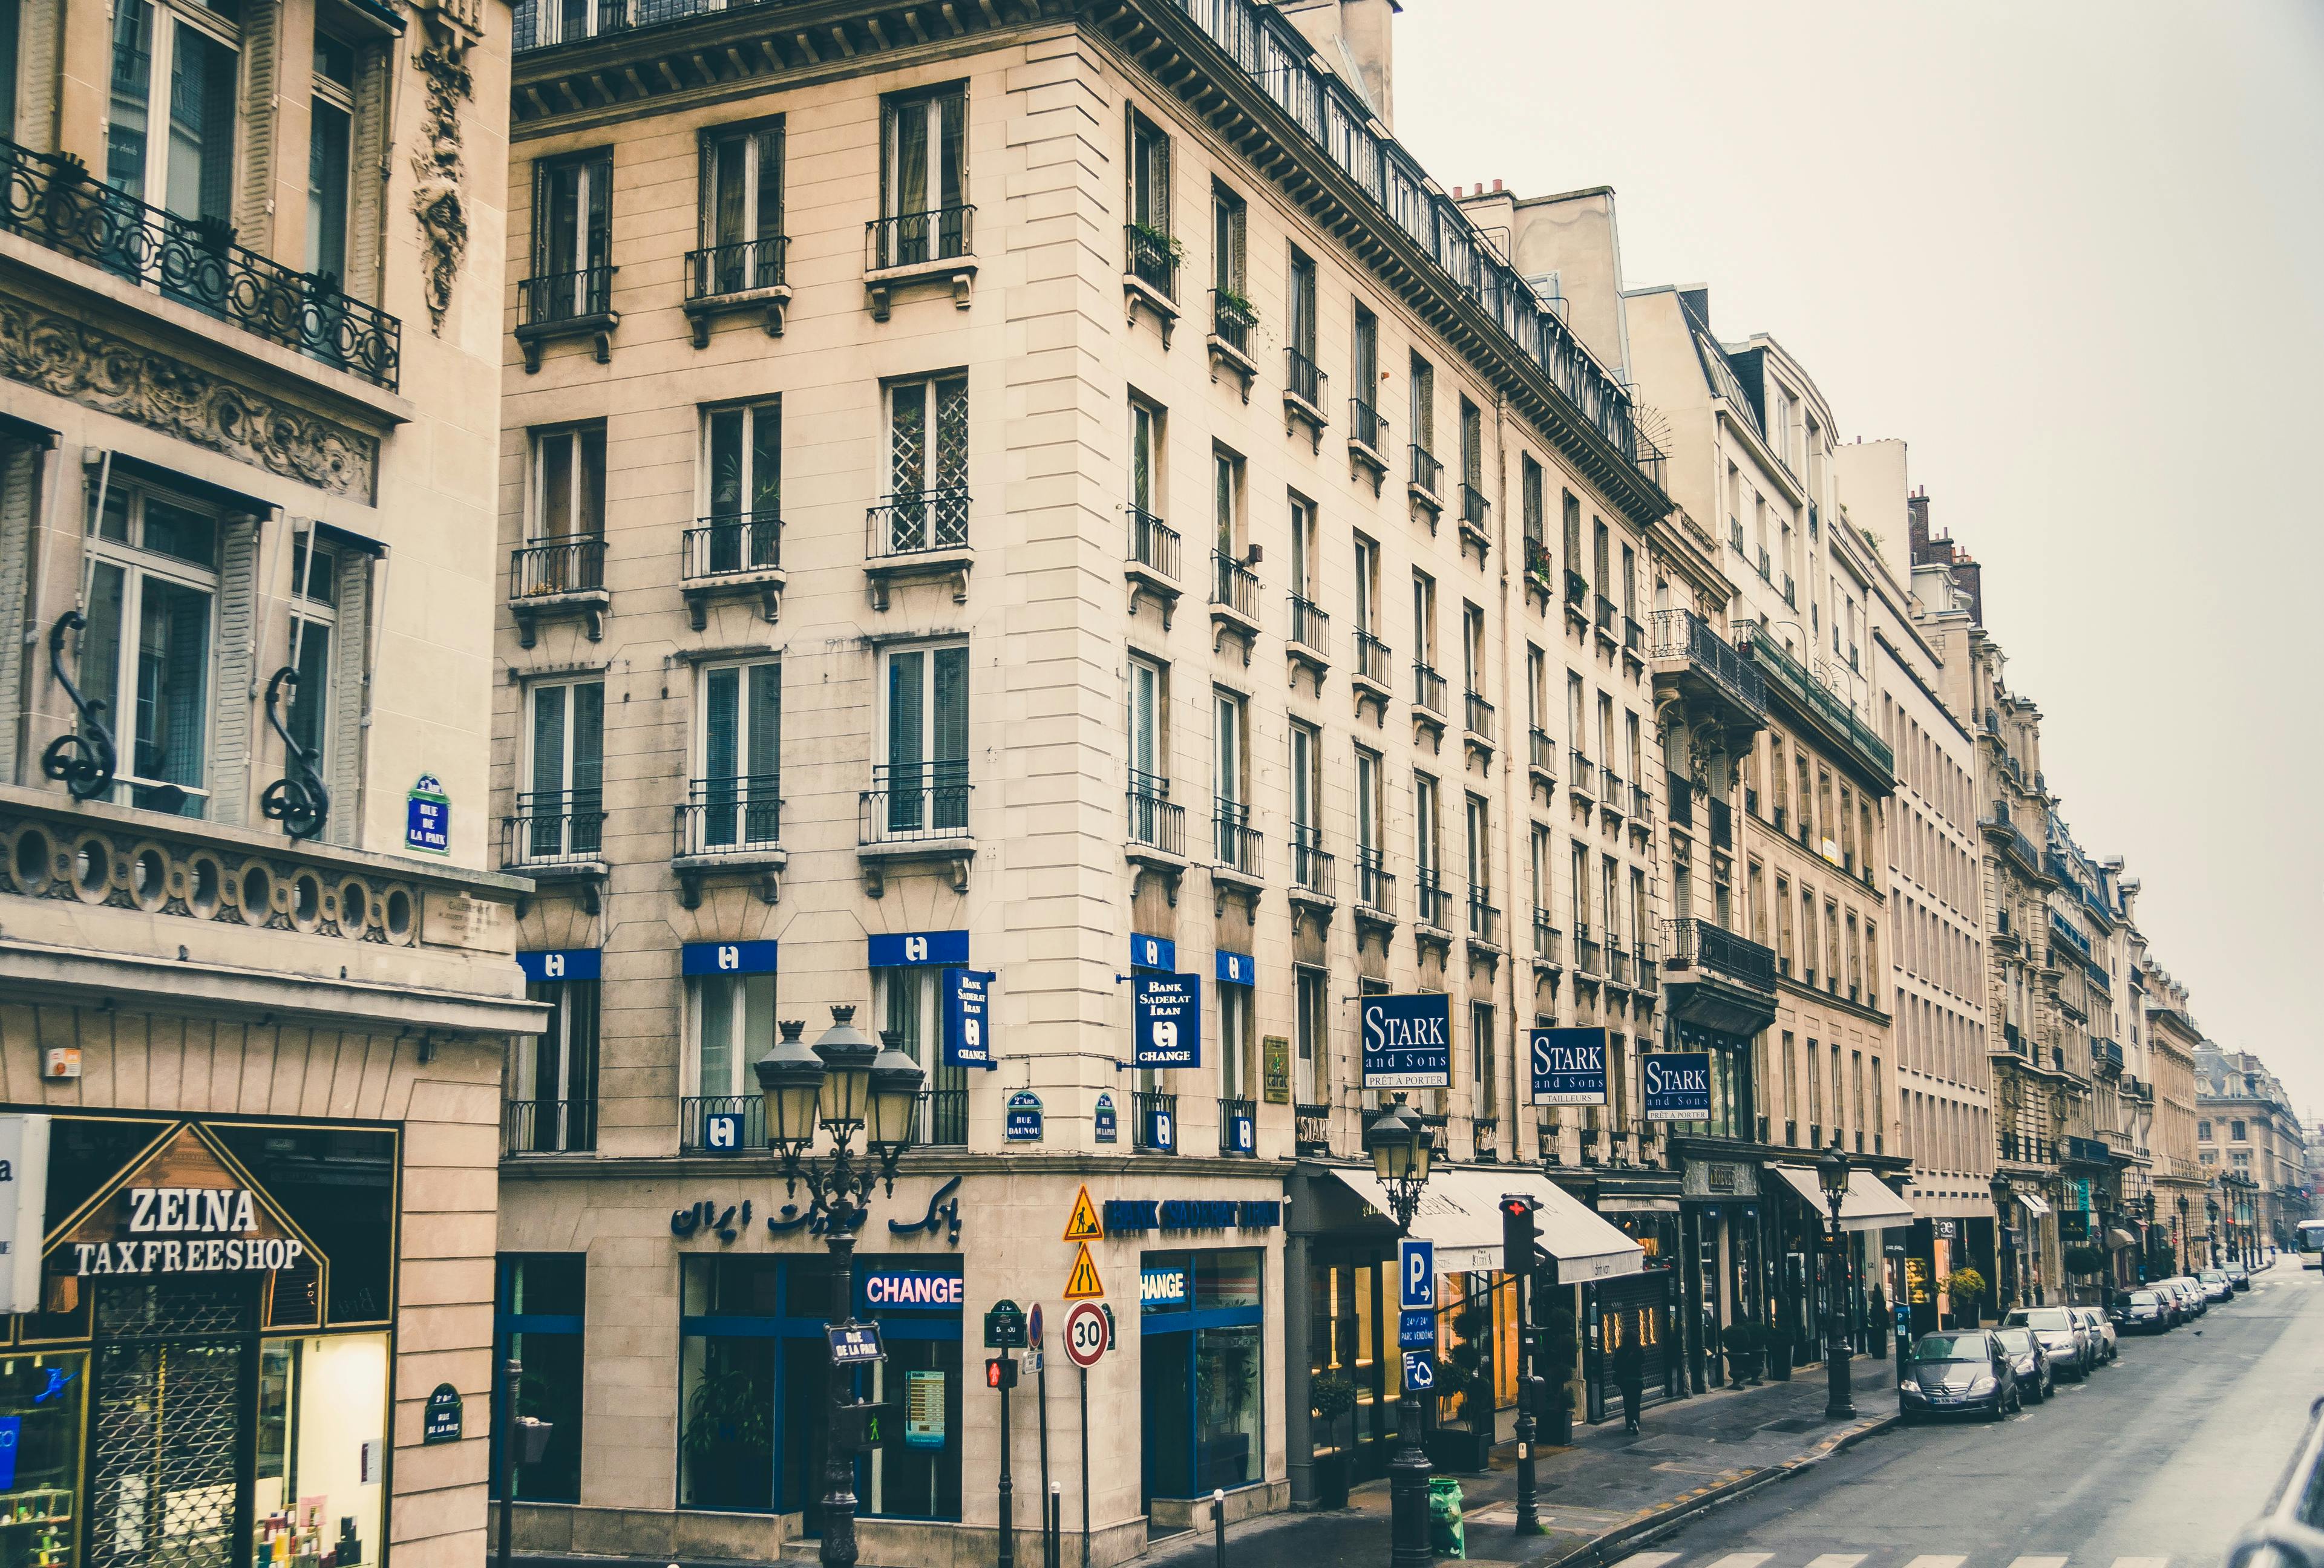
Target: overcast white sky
column 2071, row 253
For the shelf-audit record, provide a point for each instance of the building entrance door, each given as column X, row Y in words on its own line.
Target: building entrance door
column 170, row 1428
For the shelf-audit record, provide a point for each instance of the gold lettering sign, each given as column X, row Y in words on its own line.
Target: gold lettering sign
column 186, row 1208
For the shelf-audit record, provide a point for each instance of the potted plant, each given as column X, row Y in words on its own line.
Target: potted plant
column 2082, row 1262
column 729, row 1439
column 1741, row 1341
column 1966, row 1287
column 1333, row 1397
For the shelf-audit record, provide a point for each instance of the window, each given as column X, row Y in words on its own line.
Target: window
column 1149, row 756
column 1472, row 446
column 1537, row 695
column 1364, row 376
column 1427, row 848
column 1313, row 1028
column 923, row 179
column 1229, row 788
column 741, row 492
column 1144, row 456
column 1480, row 869
column 330, row 143
column 1367, row 587
column 1473, row 654
column 1226, row 505
column 561, row 813
column 1227, row 228
column 1576, row 720
column 1483, row 1075
column 1203, row 1376
column 907, row 1003
column 1601, row 556
column 1530, row 495
column 740, row 225
column 923, row 783
column 2236, row 1132
column 928, row 466
column 1424, row 619
column 1303, row 573
column 1422, row 392
column 1234, row 1042
column 1148, row 203
column 738, row 788
column 568, row 483
column 1301, row 301
column 11, row 23
column 1371, row 828
column 572, row 238
column 170, row 133
column 2203, row 1130
column 733, row 1026
column 553, row 1087
column 1306, row 804
column 314, row 632
column 147, row 651
column 536, row 1323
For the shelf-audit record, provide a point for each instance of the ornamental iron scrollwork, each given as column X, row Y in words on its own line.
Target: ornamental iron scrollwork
column 82, row 760
column 298, row 799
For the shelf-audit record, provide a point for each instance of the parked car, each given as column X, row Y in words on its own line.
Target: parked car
column 2143, row 1312
column 2061, row 1335
column 2215, row 1285
column 2239, row 1276
column 2192, row 1301
column 2101, row 1332
column 2029, row 1360
column 1965, row 1371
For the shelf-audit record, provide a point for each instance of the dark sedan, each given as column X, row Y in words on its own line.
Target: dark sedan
column 1953, row 1372
column 2142, row 1312
column 2029, row 1360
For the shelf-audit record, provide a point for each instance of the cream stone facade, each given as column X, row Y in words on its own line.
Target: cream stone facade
column 2251, row 1145
column 248, row 947
column 2179, row 1182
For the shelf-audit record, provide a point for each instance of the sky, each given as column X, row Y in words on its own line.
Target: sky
column 2070, row 253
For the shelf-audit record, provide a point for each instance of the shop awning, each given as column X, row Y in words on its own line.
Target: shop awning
column 2118, row 1238
column 1459, row 1210
column 1869, row 1206
column 1619, row 1203
column 2035, row 1203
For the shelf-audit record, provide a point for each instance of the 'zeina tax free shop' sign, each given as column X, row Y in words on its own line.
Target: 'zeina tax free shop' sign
column 183, row 1210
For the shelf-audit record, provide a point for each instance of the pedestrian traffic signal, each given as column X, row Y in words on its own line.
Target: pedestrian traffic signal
column 1520, row 1249
column 1001, row 1372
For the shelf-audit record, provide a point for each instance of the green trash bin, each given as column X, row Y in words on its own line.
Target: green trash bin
column 1447, row 1534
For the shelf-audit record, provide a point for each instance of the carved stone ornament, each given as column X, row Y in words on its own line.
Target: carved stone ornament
column 95, row 368
column 439, row 198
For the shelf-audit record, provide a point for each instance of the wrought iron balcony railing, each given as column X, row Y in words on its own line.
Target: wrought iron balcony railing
column 553, row 297
column 694, row 1121
column 1478, row 717
column 1303, row 379
column 1577, row 591
column 1373, row 662
column 1151, row 257
column 1310, row 627
column 735, row 815
column 1723, row 824
column 1428, row 690
column 547, row 567
column 1476, row 512
column 944, row 1119
column 1586, row 950
column 1312, row 866
column 1154, row 1122
column 1239, row 1128
column 1232, row 321
column 1153, row 544
column 554, row 827
column 1427, row 471
column 1541, row 566
column 913, row 802
column 1366, row 426
column 1548, row 940
column 911, row 239
column 1434, row 907
column 1375, row 888
column 737, row 267
column 549, row 1126
column 1680, row 792
column 1235, row 844
column 725, row 546
column 1234, row 585
column 53, row 201
column 1541, row 753
column 916, row 521
column 1683, row 634
column 1692, row 942
column 1484, row 919
column 1155, row 821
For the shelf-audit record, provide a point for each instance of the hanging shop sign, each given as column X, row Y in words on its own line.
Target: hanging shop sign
column 428, row 816
column 1407, row 1041
column 1109, row 1124
column 1236, row 968
column 917, row 949
column 1129, row 1216
column 183, row 1210
column 1023, row 1117
column 1274, row 1069
column 726, row 958
column 1569, row 1066
column 1677, row 1085
column 1153, row 952
column 561, row 963
column 441, row 1421
column 967, row 1018
column 23, row 1208
column 1168, row 1016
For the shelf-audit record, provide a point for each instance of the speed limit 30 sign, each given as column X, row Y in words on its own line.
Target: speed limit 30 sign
column 1084, row 1335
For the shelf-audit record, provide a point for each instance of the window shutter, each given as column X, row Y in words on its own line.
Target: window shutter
column 367, row 185
column 238, row 668
column 1162, row 215
column 351, row 675
column 707, row 191
column 20, row 467
column 37, row 75
column 261, row 35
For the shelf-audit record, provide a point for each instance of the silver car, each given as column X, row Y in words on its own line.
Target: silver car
column 2063, row 1338
column 2215, row 1285
column 2101, row 1332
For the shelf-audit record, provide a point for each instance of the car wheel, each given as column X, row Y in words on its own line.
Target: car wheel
column 1997, row 1412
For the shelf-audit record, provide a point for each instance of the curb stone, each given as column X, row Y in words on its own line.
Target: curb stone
column 1653, row 1522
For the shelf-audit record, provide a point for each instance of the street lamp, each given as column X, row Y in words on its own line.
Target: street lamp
column 2182, row 1235
column 2211, row 1228
column 1831, row 1170
column 2145, row 1232
column 1401, row 1145
column 841, row 1085
column 2004, row 1289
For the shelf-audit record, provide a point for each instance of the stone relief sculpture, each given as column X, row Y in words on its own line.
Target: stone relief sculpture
column 438, row 198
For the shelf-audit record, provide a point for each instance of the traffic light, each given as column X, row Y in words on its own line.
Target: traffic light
column 1001, row 1372
column 1519, row 1235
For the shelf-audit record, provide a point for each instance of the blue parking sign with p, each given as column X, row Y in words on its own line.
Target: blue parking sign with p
column 1416, row 1263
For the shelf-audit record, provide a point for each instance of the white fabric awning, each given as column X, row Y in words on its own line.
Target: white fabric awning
column 2035, row 1205
column 1869, row 1206
column 1459, row 1210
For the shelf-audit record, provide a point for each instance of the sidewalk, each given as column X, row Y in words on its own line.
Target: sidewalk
column 1600, row 1494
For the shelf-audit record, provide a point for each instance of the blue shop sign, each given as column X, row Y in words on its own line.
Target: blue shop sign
column 1129, row 1216
column 722, row 1133
column 1569, row 1066
column 727, row 958
column 1407, row 1042
column 1153, row 952
column 913, row 1290
column 428, row 817
column 1167, row 1017
column 1243, row 1133
column 967, row 1019
column 1162, row 1288
column 1236, row 968
column 1107, row 1124
column 1677, row 1085
column 560, row 963
column 917, row 949
column 1023, row 1117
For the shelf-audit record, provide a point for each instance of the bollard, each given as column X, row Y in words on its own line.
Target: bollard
column 1218, row 1521
column 1053, row 1526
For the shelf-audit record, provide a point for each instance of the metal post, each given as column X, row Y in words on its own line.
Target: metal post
column 838, row 1549
column 1838, row 1402
column 514, row 1373
column 1085, row 1478
column 1053, row 1528
column 1041, row 1399
column 1219, row 1522
column 1008, row 1554
column 1407, row 1489
column 1529, row 1423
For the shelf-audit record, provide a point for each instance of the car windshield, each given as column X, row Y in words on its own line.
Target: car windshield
column 2213, row 1275
column 1950, row 1348
column 2016, row 1341
column 2042, row 1317
column 2144, row 1299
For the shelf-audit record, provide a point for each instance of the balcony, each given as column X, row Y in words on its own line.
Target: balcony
column 1235, row 845
column 549, row 579
column 2086, row 1151
column 1548, row 942
column 1374, row 669
column 1541, row 758
column 1476, row 519
column 1582, row 775
column 731, row 279
column 1618, row 964
column 1634, row 640
column 1375, row 889
column 55, row 203
column 918, row 533
column 1153, row 1122
column 695, row 1112
column 1150, row 264
column 915, row 811
column 1476, row 725
column 1428, row 699
column 1434, row 907
column 1151, row 566
column 1604, row 619
column 1239, row 1128
column 1650, row 968
column 1426, row 484
column 729, row 826
column 1718, row 978
column 1642, row 806
column 1577, row 598
column 1611, row 794
column 1309, row 643
column 1692, row 662
column 549, row 1127
column 2105, row 1053
column 1849, row 737
column 1368, row 440
column 574, row 304
column 2011, row 840
column 1304, row 384
column 1589, row 956
column 944, row 1119
column 937, row 245
column 1232, row 323
column 1158, row 825
column 1311, row 1131
column 1484, row 920
column 555, row 829
column 1313, row 868
column 739, row 555
column 1540, row 570
column 1680, row 791
column 1234, row 601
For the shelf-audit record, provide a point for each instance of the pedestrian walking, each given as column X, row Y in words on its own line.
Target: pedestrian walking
column 1631, row 1376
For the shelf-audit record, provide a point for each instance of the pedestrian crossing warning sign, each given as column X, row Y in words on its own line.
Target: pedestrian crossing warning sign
column 1082, row 1224
column 1082, row 1284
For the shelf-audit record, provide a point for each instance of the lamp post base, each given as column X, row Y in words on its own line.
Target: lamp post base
column 1408, row 1492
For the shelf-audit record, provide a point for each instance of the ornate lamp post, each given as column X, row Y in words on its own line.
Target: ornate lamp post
column 1401, row 1147
column 2211, row 1228
column 2145, row 1232
column 842, row 1084
column 1839, row 1404
column 2004, row 1288
column 2182, row 1234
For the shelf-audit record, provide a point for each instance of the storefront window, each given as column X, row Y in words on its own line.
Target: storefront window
column 1202, row 1317
column 41, row 1401
column 538, row 1323
column 322, row 1429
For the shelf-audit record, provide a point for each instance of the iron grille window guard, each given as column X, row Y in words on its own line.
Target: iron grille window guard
column 719, row 547
column 911, row 239
column 547, row 567
column 554, row 827
column 916, row 521
column 730, row 816
column 737, row 267
column 911, row 802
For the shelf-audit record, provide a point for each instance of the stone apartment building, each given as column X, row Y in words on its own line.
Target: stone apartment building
column 1028, row 502
column 1942, row 1116
column 2181, row 1181
column 2251, row 1145
column 256, row 987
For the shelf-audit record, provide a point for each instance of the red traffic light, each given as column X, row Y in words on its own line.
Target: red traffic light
column 1001, row 1372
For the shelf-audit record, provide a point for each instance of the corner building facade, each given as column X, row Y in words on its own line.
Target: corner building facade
column 935, row 545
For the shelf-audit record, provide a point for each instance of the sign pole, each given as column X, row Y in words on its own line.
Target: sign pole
column 1086, row 1497
column 1041, row 1399
column 514, row 1373
column 1008, row 1554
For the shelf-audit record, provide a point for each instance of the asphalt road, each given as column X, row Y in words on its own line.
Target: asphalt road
column 2158, row 1460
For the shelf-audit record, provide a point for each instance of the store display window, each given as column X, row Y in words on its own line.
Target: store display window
column 1201, row 1314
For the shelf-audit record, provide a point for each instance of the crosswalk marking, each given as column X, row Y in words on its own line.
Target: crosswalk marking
column 1936, row 1563
column 1647, row 1559
column 1836, row 1560
column 2142, row 1562
column 1739, row 1560
column 2039, row 1563
column 1856, row 1560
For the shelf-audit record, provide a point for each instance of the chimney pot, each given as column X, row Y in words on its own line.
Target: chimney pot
column 1497, row 188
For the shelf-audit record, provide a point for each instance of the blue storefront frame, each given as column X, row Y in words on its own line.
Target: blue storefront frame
column 1187, row 1320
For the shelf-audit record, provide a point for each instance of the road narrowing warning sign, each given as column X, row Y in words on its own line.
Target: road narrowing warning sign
column 1082, row 1283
